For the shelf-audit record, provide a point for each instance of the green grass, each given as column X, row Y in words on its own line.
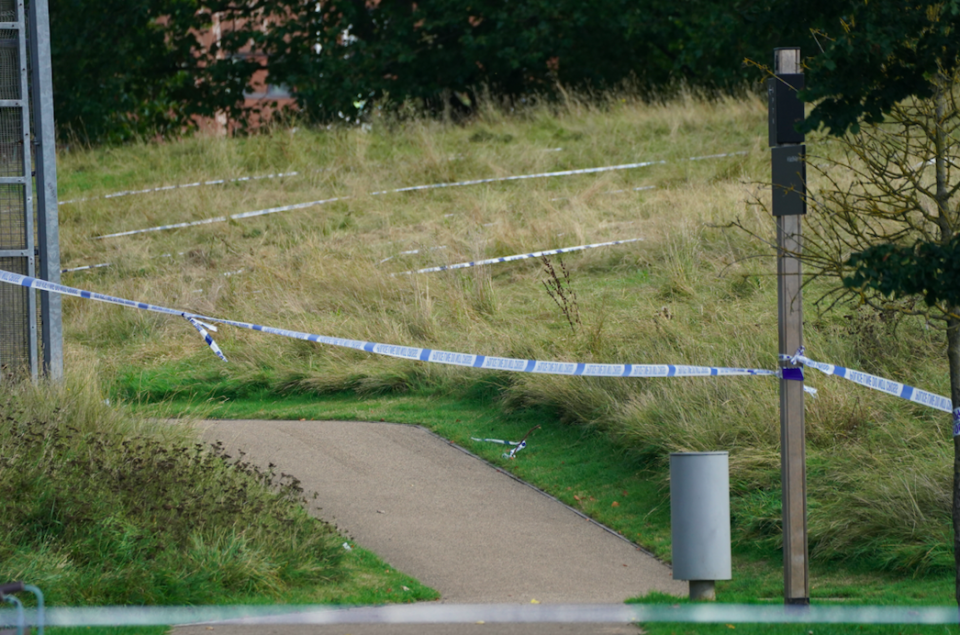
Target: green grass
column 110, row 630
column 364, row 580
column 585, row 469
column 569, row 462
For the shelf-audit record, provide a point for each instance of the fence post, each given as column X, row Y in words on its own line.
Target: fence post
column 788, row 205
column 48, row 224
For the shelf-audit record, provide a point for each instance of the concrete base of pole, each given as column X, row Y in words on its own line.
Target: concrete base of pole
column 703, row 590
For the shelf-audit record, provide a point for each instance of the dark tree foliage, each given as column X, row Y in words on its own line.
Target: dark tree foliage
column 123, row 68
column 127, row 67
column 928, row 270
column 447, row 49
column 429, row 49
column 105, row 76
column 885, row 62
column 877, row 54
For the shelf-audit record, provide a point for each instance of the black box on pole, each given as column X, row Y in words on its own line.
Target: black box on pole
column 785, row 108
column 789, row 180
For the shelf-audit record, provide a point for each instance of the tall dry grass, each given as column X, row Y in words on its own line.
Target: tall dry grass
column 693, row 292
column 98, row 507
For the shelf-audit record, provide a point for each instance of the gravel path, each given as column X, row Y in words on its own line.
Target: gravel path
column 452, row 521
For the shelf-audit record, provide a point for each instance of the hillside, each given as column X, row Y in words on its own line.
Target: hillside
column 691, row 291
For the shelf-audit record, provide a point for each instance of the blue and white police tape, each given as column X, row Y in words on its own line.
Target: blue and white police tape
column 165, row 188
column 110, row 264
column 888, row 386
column 512, row 453
column 202, row 328
column 411, row 252
column 517, row 446
column 222, row 219
column 431, row 613
column 413, row 188
column 536, row 254
column 543, row 175
column 411, row 352
column 87, row 267
column 796, row 374
column 956, row 422
column 462, row 265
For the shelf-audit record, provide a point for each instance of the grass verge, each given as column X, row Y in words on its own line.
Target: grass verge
column 694, row 291
column 101, row 508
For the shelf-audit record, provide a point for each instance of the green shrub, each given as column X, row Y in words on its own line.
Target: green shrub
column 94, row 513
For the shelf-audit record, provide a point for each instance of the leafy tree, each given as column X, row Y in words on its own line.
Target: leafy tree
column 436, row 50
column 887, row 51
column 137, row 67
column 889, row 225
column 123, row 68
column 342, row 54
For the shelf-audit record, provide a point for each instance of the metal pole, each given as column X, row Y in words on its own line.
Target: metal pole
column 789, row 204
column 48, row 224
column 796, row 581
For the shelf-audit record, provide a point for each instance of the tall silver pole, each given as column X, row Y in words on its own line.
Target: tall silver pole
column 789, row 204
column 796, row 580
column 48, row 228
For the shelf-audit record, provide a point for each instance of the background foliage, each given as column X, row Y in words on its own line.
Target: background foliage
column 135, row 68
column 126, row 68
column 881, row 53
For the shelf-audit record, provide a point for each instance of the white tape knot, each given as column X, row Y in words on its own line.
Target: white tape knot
column 197, row 324
column 797, row 358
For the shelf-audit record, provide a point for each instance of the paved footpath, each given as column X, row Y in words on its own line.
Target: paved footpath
column 454, row 522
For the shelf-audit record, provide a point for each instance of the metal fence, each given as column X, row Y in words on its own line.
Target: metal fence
column 29, row 240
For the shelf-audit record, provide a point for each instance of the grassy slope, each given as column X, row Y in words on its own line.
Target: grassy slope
column 691, row 293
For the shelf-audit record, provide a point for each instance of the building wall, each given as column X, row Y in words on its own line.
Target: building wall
column 263, row 99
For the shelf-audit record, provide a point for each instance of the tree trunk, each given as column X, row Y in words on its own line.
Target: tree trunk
column 944, row 218
column 953, row 356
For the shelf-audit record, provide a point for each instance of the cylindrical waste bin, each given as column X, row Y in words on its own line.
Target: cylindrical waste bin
column 700, row 519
